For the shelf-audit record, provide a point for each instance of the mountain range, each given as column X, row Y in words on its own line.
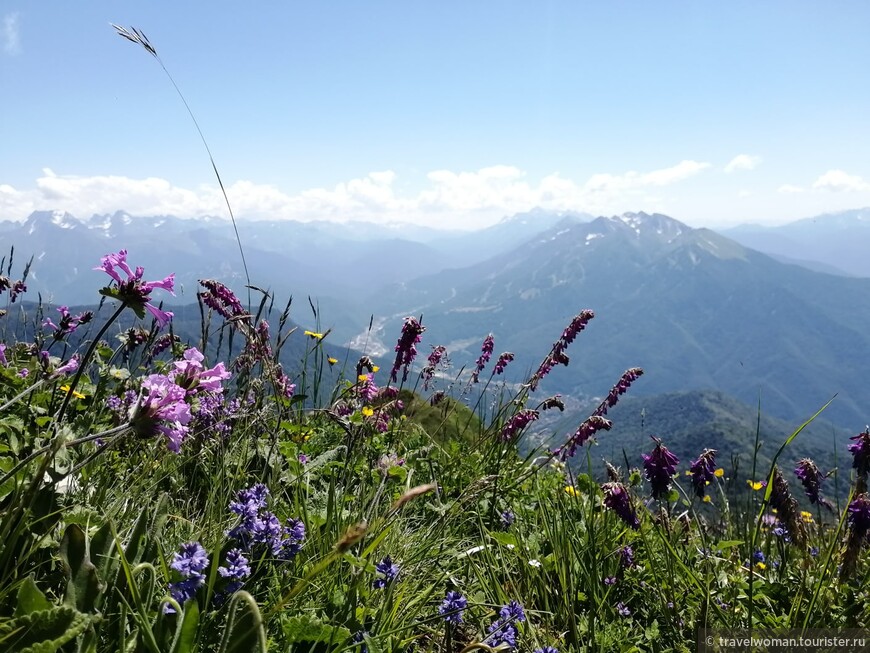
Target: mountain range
column 696, row 309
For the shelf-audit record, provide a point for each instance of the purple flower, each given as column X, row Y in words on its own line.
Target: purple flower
column 703, row 471
column 388, row 571
column 590, row 426
column 507, row 519
column 659, row 468
column 434, row 360
column 501, row 633
column 452, row 607
column 237, row 565
column 621, row 387
column 302, row 458
column 520, row 420
column 623, row 610
column 759, row 556
column 189, row 562
column 192, row 375
column 513, row 611
column 811, row 478
column 3, row 360
column 485, row 354
column 610, row 580
column 861, row 453
column 259, row 526
column 366, row 389
column 132, row 291
column 17, row 288
column 359, row 637
column 859, row 516
column 626, row 557
column 220, row 298
column 406, row 348
column 546, row 649
column 617, row 499
column 502, row 362
column 67, row 368
column 557, row 352
column 162, row 410
column 68, row 323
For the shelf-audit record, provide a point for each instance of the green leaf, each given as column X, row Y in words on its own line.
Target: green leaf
column 185, row 637
column 307, row 628
column 83, row 584
column 505, row 539
column 30, row 598
column 728, row 544
column 45, row 631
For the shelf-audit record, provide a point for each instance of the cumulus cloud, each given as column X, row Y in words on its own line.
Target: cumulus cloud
column 462, row 199
column 742, row 162
column 9, row 34
column 838, row 181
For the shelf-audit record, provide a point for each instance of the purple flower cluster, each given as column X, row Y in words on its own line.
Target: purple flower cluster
column 69, row 367
column 387, row 571
column 237, row 569
column 68, row 323
column 260, row 526
column 433, row 361
column 485, row 354
column 15, row 288
column 190, row 374
column 406, row 348
column 659, row 468
column 133, row 291
column 703, row 471
column 519, row 421
column 452, row 607
column 588, row 428
column 502, row 362
column 503, row 630
column 861, row 453
column 507, row 519
column 557, row 354
column 220, row 299
column 3, row 360
column 617, row 499
column 858, row 520
column 162, row 409
column 189, row 562
column 811, row 478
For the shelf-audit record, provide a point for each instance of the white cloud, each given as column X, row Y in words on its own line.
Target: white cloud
column 789, row 188
column 9, row 34
column 465, row 199
column 743, row 162
column 837, row 180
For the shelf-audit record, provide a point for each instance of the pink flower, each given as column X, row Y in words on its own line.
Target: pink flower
column 132, row 291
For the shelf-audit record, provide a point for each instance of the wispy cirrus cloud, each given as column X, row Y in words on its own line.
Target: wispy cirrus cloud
column 463, row 199
column 10, row 38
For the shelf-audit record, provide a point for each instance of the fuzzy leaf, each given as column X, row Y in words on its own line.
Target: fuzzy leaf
column 30, row 598
column 307, row 628
column 45, row 631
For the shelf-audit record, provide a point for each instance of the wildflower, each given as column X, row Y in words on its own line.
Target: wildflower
column 162, row 410
column 546, row 649
column 132, row 291
column 786, row 506
column 190, row 562
column 513, row 611
column 332, row 361
column 517, row 423
column 623, row 610
column 237, row 569
column 68, row 323
column 67, row 368
column 758, row 556
column 359, row 637
column 659, row 468
column 811, row 478
column 503, row 630
column 433, row 361
column 192, row 375
column 702, row 471
column 590, row 426
column 626, row 557
column 502, row 362
column 858, row 524
column 507, row 519
column 388, row 572
column 3, row 360
column 17, row 288
column 302, row 458
column 861, row 456
column 23, row 372
column 367, row 412
column 366, row 389
column 535, row 563
column 485, row 354
column 452, row 607
column 406, row 349
column 610, row 580
column 756, row 485
column 220, row 298
column 313, row 335
column 557, row 352
column 570, row 490
column 259, row 526
column 76, row 394
column 814, row 551
column 617, row 499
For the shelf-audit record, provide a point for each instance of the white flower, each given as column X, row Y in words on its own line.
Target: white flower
column 535, row 563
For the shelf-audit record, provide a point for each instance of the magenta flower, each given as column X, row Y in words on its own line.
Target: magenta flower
column 132, row 291
column 861, row 453
column 703, row 471
column 617, row 499
column 162, row 410
column 590, row 426
column 485, row 354
column 557, row 354
column 68, row 323
column 220, row 298
column 517, row 423
column 434, row 361
column 191, row 375
column 406, row 349
column 811, row 478
column 67, row 368
column 502, row 362
column 659, row 467
column 3, row 360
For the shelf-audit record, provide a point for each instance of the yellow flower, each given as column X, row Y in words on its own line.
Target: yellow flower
column 707, row 498
column 756, row 485
column 719, row 473
column 760, row 566
column 368, row 412
column 312, row 334
column 375, row 368
column 571, row 491
column 362, row 378
column 807, row 517
column 77, row 395
column 331, row 360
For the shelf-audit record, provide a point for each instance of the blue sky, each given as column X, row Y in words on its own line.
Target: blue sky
column 449, row 114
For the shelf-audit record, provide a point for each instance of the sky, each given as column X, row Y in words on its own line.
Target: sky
column 452, row 114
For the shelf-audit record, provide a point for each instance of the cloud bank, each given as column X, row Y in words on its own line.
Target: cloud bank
column 466, row 199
